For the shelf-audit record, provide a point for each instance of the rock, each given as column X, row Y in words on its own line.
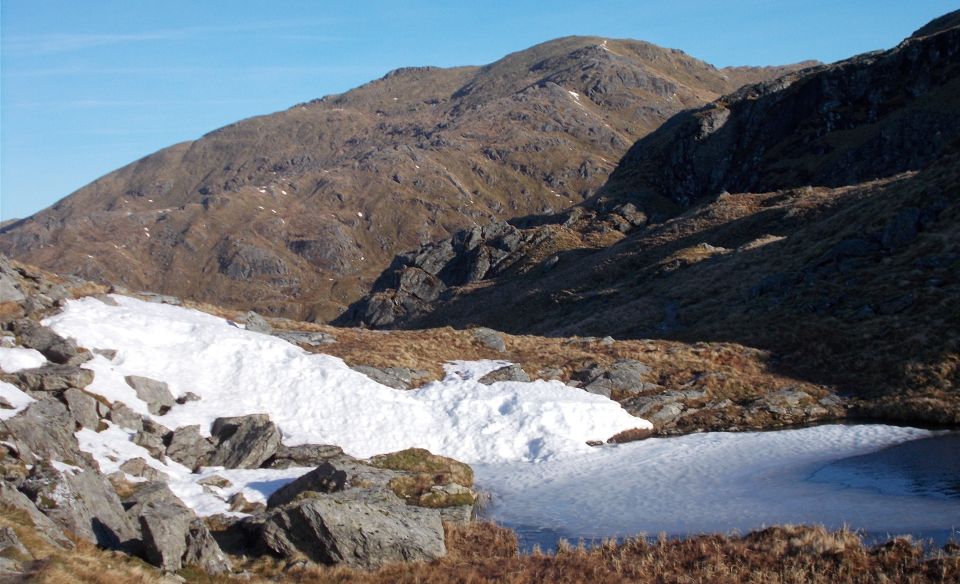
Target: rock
column 512, row 372
column 358, row 528
column 420, row 284
column 324, row 479
column 53, row 378
column 174, row 537
column 215, row 481
column 303, row 455
column 188, row 447
column 138, row 467
column 9, row 286
column 123, row 416
column 490, row 338
column 395, row 377
column 43, row 525
column 11, row 547
column 83, row 407
column 240, row 504
column 188, row 397
column 244, row 441
column 36, row 336
column 81, row 502
column 160, row 298
column 155, row 393
column 153, row 437
column 624, row 376
column 257, row 323
column 44, row 431
column 312, row 339
column 108, row 354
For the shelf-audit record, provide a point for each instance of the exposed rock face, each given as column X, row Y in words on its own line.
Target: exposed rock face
column 44, row 431
column 36, row 336
column 395, row 377
column 273, row 207
column 357, row 528
column 511, row 372
column 244, row 442
column 52, row 378
column 188, row 447
column 626, row 376
column 303, row 455
column 45, row 527
column 80, row 501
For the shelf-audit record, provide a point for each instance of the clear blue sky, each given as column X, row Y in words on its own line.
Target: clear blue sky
column 91, row 85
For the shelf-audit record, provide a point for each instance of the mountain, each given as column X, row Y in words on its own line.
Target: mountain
column 296, row 212
column 838, row 251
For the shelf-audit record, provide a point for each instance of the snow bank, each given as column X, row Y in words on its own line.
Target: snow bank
column 710, row 482
column 15, row 398
column 16, row 358
column 318, row 399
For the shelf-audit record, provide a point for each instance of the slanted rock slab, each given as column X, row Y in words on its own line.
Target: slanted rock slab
column 244, row 441
column 155, row 393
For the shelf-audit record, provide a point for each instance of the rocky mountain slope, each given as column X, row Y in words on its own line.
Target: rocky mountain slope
column 839, row 251
column 296, row 212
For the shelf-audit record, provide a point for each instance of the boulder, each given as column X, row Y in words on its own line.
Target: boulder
column 188, row 447
column 324, row 479
column 244, row 441
column 512, row 372
column 123, row 416
column 53, row 378
column 36, row 336
column 395, row 377
column 153, row 437
column 311, row 339
column 624, row 376
column 174, row 537
column 9, row 285
column 80, row 501
column 490, row 338
column 138, row 467
column 44, row 431
column 155, row 393
column 49, row 531
column 256, row 323
column 83, row 407
column 240, row 504
column 358, row 528
column 303, row 455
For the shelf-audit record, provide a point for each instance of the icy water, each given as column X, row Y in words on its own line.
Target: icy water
column 880, row 480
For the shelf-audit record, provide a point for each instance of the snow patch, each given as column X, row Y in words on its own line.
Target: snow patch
column 14, row 359
column 15, row 398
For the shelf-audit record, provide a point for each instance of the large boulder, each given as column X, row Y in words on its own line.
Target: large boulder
column 45, row 528
column 53, row 378
column 81, row 501
column 244, row 441
column 44, row 431
column 625, row 376
column 83, row 407
column 36, row 336
column 303, row 455
column 395, row 377
column 173, row 535
column 155, row 393
column 359, row 528
column 511, row 372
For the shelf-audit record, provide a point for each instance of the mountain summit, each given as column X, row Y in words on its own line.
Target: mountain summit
column 296, row 212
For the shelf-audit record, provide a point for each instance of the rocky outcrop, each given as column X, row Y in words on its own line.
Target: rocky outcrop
column 155, row 393
column 188, row 447
column 324, row 479
column 623, row 377
column 359, row 528
column 244, row 441
column 395, row 377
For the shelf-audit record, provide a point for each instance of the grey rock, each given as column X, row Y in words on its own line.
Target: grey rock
column 9, row 285
column 215, row 481
column 311, row 339
column 174, row 537
column 257, row 323
column 625, row 376
column 109, row 354
column 395, row 377
column 244, row 441
column 146, row 493
column 160, row 298
column 7, row 340
column 138, row 467
column 420, row 284
column 359, row 528
column 902, row 229
column 36, row 336
column 83, row 406
column 490, row 338
column 188, row 447
column 239, row 504
column 44, row 526
column 54, row 378
column 155, row 393
column 43, row 431
column 326, row 478
column 152, row 443
column 11, row 546
column 303, row 455
column 512, row 372
column 81, row 502
column 123, row 416
column 187, row 397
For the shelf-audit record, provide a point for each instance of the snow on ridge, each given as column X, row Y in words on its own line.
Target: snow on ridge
column 16, row 398
column 318, row 399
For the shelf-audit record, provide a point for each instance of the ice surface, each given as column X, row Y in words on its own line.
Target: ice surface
column 710, row 482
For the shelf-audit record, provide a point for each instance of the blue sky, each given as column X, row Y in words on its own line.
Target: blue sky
column 89, row 86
